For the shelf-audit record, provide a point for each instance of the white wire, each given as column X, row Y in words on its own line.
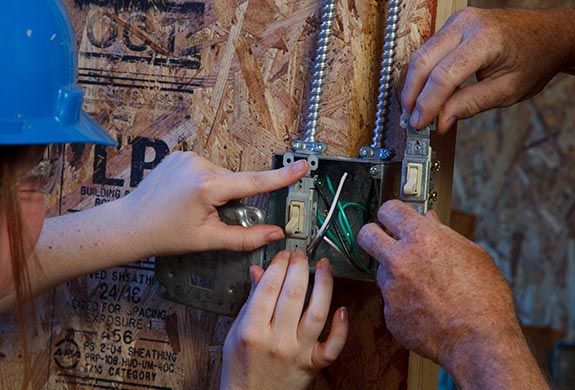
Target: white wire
column 322, row 229
column 333, row 245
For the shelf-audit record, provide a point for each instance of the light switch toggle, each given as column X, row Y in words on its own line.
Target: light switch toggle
column 414, row 176
column 295, row 223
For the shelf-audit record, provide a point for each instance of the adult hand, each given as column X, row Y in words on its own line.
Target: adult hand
column 513, row 53
column 175, row 206
column 446, row 299
column 272, row 345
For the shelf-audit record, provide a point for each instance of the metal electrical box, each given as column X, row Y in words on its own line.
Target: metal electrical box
column 368, row 184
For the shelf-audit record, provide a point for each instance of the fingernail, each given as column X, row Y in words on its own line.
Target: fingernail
column 275, row 235
column 299, row 166
column 343, row 314
column 324, row 263
column 404, row 120
column 415, row 117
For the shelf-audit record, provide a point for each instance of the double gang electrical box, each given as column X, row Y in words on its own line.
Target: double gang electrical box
column 218, row 281
column 303, row 207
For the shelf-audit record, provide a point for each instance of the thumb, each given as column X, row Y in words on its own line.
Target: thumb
column 472, row 100
column 242, row 239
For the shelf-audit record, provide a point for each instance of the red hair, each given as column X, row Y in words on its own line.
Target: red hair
column 19, row 243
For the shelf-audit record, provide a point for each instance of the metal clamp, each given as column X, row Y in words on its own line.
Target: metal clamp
column 377, row 153
column 309, row 147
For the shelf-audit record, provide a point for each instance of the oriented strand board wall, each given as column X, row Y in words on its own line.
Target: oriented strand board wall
column 226, row 79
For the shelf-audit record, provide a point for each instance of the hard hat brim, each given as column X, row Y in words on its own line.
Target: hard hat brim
column 34, row 132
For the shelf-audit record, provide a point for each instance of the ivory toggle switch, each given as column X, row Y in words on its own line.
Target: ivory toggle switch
column 413, row 183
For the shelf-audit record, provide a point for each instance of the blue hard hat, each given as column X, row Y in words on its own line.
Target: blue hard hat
column 40, row 102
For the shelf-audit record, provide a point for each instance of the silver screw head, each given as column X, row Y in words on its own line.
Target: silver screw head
column 374, row 170
column 366, row 152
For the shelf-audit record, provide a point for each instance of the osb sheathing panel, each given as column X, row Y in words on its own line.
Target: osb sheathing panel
column 228, row 80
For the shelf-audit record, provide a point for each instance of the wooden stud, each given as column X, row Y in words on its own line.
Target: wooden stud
column 423, row 373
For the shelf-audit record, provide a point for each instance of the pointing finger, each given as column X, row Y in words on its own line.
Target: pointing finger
column 244, row 184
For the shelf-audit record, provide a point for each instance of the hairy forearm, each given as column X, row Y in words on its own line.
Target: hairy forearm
column 499, row 360
column 81, row 243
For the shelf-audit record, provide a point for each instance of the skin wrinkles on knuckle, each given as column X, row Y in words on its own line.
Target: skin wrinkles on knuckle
column 206, row 182
column 399, row 214
column 426, row 103
column 316, row 360
column 368, row 237
column 420, row 235
column 269, row 287
column 374, row 246
column 392, row 208
column 295, row 293
column 441, row 78
column 248, row 242
column 298, row 259
column 285, row 174
column 258, row 180
column 471, row 107
column 419, row 59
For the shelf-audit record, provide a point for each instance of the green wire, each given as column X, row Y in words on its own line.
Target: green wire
column 346, row 225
